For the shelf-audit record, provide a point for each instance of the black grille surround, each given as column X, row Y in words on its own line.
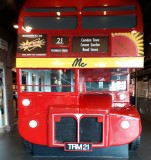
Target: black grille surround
column 91, row 130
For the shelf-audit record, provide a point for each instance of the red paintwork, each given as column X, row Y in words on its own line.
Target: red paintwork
column 47, row 108
column 120, row 46
column 89, row 105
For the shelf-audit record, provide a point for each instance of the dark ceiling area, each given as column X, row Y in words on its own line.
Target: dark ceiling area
column 146, row 11
column 9, row 11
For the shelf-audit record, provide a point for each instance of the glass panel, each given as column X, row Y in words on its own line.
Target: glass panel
column 106, row 86
column 116, row 8
column 57, row 9
column 53, row 23
column 118, row 77
column 2, row 114
column 47, row 80
column 97, row 22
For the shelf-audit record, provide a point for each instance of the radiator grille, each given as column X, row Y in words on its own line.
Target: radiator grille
column 90, row 130
column 66, row 130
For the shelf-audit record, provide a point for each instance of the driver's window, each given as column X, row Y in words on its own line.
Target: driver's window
column 47, row 80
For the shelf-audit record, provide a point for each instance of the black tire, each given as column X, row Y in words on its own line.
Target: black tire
column 135, row 144
column 27, row 146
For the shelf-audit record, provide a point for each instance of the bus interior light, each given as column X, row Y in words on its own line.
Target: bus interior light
column 104, row 12
column 58, row 13
column 26, row 102
column 58, row 18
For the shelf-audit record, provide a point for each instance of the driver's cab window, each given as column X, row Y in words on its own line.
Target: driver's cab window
column 98, row 80
column 51, row 80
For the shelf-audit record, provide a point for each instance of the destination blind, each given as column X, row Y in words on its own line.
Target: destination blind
column 90, row 44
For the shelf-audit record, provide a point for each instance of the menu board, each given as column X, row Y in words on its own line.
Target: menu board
column 90, row 44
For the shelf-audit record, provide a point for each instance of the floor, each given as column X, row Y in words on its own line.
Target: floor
column 11, row 147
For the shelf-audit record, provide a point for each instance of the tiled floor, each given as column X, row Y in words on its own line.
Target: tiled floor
column 11, row 148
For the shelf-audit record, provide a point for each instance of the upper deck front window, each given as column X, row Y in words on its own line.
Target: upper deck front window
column 98, row 22
column 53, row 23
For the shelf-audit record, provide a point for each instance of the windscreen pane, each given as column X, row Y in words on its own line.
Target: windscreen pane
column 54, row 23
column 106, row 86
column 98, row 22
column 47, row 80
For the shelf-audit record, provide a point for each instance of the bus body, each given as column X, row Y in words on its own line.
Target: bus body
column 73, row 63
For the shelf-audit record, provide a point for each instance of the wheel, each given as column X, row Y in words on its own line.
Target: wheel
column 135, row 144
column 27, row 146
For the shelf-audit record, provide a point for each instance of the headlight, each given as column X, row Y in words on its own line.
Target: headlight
column 26, row 102
column 125, row 124
column 33, row 124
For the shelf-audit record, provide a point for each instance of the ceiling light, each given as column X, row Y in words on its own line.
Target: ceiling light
column 27, row 28
column 15, row 26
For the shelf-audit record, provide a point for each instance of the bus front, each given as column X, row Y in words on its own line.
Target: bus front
column 73, row 65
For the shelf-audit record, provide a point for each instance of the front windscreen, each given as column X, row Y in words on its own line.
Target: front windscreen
column 106, row 86
column 98, row 80
column 49, row 80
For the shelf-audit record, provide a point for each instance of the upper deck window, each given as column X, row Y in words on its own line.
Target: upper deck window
column 106, row 8
column 54, row 23
column 98, row 22
column 56, row 9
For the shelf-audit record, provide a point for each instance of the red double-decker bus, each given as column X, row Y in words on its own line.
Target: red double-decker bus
column 73, row 63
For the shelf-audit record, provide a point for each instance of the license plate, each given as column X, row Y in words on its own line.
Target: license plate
column 85, row 147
